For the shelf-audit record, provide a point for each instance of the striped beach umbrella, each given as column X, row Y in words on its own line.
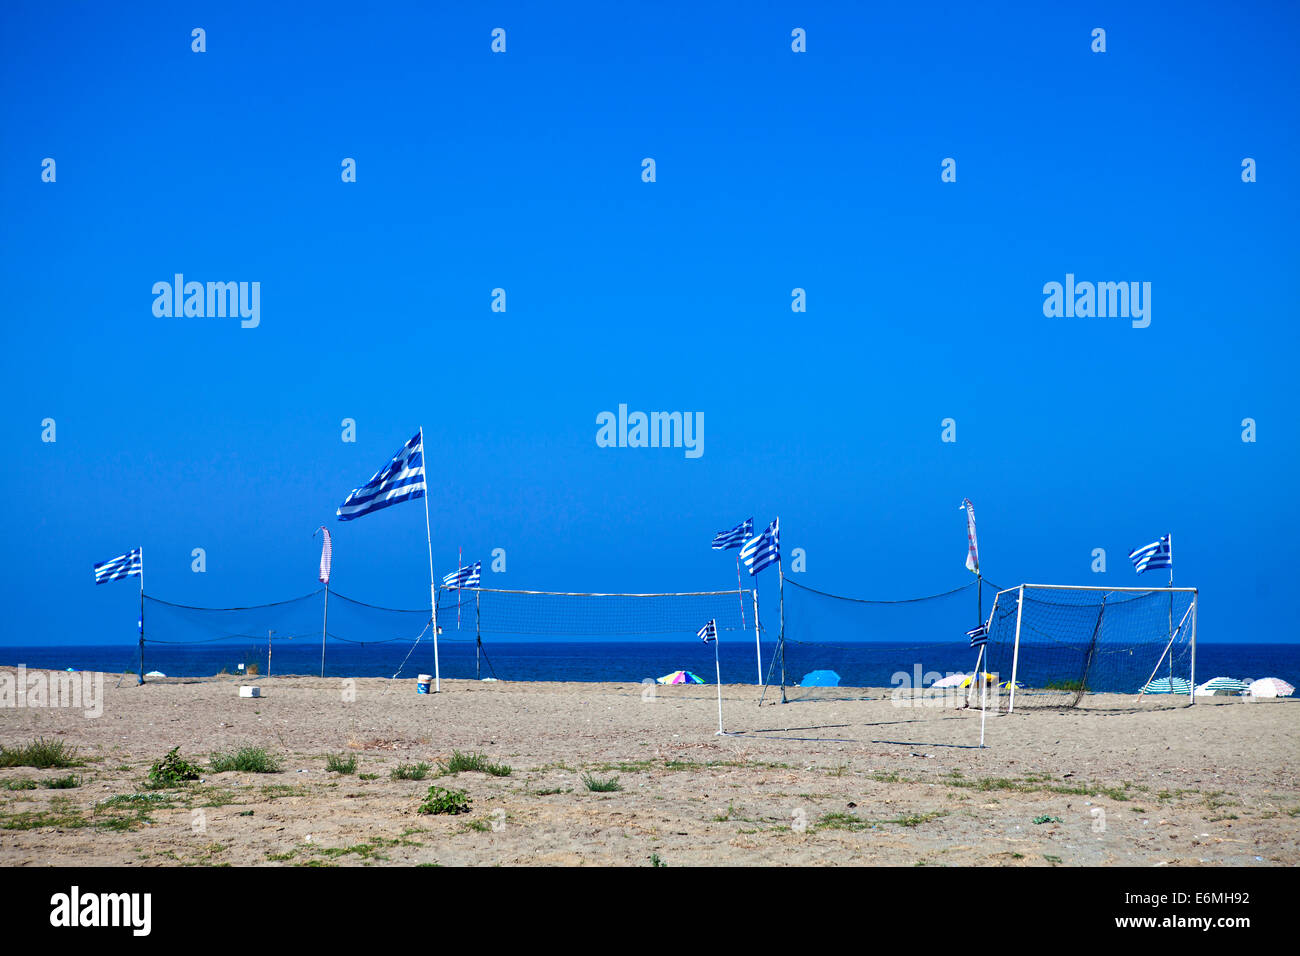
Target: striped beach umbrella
column 1270, row 687
column 1164, row 685
column 679, row 677
column 1222, row 686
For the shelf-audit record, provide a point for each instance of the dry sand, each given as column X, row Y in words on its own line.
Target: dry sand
column 825, row 782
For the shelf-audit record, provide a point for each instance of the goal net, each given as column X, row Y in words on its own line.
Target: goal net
column 541, row 635
column 849, row 648
column 1062, row 646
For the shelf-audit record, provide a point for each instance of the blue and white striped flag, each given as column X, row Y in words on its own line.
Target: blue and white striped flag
column 466, row 577
column 124, row 566
column 763, row 549
column 1153, row 556
column 978, row 635
column 725, row 540
column 402, row 479
column 709, row 632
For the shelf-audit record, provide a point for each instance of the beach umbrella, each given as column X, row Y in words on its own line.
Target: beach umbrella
column 1164, row 685
column 1270, row 687
column 1007, row 685
column 679, row 677
column 953, row 680
column 820, row 679
column 988, row 679
column 1223, row 686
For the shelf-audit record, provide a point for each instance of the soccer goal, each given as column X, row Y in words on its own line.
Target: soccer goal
column 1052, row 645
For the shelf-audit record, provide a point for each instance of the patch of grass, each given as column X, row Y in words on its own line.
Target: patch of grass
column 1051, row 859
column 916, row 819
column 280, row 857
column 367, row 776
column 1046, row 819
column 20, row 784
column 60, row 814
column 1070, row 685
column 480, row 826
column 411, row 771
column 62, row 783
column 596, row 785
column 440, row 800
column 473, row 763
column 173, row 770
column 247, row 760
column 337, row 763
column 550, row 791
column 655, row 861
column 42, row 754
column 839, row 820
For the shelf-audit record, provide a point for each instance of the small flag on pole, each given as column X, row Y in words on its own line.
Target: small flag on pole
column 1152, row 556
column 978, row 635
column 725, row 540
column 466, row 577
column 709, row 632
column 763, row 549
column 402, row 479
column 972, row 546
column 123, row 566
column 326, row 555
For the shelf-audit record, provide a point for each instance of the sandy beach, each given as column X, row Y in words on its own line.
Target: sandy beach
column 823, row 782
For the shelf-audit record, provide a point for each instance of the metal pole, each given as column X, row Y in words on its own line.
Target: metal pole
column 268, row 652
column 141, row 681
column 781, row 577
column 1192, row 690
column 758, row 647
column 1167, row 649
column 717, row 667
column 1171, row 608
column 433, row 587
column 324, row 629
column 478, row 634
column 1015, row 655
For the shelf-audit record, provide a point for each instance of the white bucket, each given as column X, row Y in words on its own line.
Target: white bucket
column 246, row 691
column 422, row 683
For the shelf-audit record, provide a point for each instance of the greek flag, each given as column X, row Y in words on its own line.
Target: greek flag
column 978, row 635
column 402, row 479
column 124, row 566
column 725, row 540
column 709, row 632
column 1153, row 556
column 763, row 549
column 466, row 577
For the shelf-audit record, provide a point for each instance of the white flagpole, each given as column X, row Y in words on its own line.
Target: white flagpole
column 433, row 587
column 718, row 669
column 141, row 614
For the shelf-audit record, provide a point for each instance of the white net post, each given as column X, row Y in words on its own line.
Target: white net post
column 1015, row 654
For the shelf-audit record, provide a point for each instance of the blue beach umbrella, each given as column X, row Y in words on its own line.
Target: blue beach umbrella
column 820, row 679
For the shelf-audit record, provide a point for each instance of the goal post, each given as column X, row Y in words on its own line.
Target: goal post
column 1052, row 645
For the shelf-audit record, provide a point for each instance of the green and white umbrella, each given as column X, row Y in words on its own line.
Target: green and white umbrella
column 1164, row 685
column 1222, row 686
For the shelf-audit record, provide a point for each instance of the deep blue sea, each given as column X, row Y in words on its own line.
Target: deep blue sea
column 867, row 664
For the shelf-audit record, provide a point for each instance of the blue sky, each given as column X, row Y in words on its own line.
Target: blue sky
column 522, row 170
